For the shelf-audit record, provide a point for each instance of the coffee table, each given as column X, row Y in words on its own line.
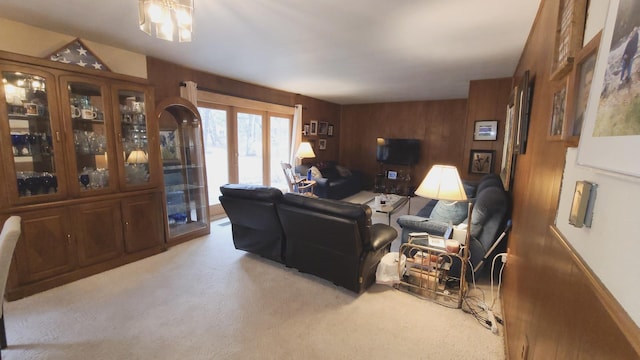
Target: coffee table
column 393, row 204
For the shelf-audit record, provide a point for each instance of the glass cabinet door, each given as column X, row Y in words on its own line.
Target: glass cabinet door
column 184, row 171
column 133, row 132
column 31, row 136
column 90, row 121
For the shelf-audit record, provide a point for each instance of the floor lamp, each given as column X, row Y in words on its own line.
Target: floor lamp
column 443, row 183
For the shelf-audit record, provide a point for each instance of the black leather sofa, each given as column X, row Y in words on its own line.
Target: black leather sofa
column 333, row 184
column 334, row 240
column 331, row 239
column 255, row 223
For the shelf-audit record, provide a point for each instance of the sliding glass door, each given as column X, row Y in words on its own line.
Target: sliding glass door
column 249, row 137
column 243, row 146
column 215, row 123
column 279, row 144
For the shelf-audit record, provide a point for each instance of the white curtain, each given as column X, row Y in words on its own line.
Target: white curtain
column 190, row 92
column 296, row 136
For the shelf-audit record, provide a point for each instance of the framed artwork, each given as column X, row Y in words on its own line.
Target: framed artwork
column 522, row 109
column 168, row 146
column 508, row 158
column 322, row 144
column 556, row 125
column 481, row 161
column 306, row 128
column 569, row 33
column 323, row 127
column 578, row 90
column 611, row 130
column 485, row 130
column 313, row 129
column 330, row 130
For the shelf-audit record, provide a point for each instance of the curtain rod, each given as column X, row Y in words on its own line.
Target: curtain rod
column 183, row 84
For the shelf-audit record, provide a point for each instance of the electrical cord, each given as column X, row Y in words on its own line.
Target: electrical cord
column 477, row 305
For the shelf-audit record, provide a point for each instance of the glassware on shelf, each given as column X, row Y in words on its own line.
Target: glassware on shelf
column 84, row 180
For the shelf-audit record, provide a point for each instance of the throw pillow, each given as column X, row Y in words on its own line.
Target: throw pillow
column 447, row 211
column 315, row 173
column 344, row 172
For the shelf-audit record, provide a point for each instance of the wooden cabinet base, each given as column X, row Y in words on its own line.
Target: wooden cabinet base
column 25, row 290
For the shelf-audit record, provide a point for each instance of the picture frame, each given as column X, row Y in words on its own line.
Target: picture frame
column 392, row 175
column 330, row 130
column 168, row 145
column 558, row 110
column 306, row 129
column 322, row 127
column 322, row 144
column 524, row 95
column 578, row 90
column 481, row 161
column 313, row 129
column 485, row 130
column 609, row 132
column 508, row 156
column 570, row 25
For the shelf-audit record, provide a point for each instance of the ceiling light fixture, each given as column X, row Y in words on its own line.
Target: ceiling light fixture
column 166, row 17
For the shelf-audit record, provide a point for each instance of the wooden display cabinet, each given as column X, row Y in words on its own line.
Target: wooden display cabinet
column 98, row 234
column 142, row 231
column 185, row 182
column 81, row 166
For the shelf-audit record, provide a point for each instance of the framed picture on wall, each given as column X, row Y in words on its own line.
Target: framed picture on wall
column 559, row 101
column 508, row 158
column 306, row 129
column 313, row 130
column 610, row 131
column 322, row 127
column 330, row 130
column 569, row 33
column 578, row 90
column 322, row 144
column 485, row 130
column 524, row 95
column 481, row 161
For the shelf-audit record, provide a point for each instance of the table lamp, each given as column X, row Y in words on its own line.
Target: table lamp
column 442, row 183
column 305, row 151
column 138, row 157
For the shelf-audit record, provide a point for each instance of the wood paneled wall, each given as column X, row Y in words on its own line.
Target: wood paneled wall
column 166, row 77
column 553, row 305
column 441, row 125
column 488, row 100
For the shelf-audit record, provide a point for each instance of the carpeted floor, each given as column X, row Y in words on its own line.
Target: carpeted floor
column 205, row 300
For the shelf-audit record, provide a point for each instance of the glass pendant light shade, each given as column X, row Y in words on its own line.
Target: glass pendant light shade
column 165, row 18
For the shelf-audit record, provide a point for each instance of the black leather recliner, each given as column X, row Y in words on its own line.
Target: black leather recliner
column 254, row 219
column 334, row 240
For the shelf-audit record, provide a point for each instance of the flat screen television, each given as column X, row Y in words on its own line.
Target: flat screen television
column 398, row 151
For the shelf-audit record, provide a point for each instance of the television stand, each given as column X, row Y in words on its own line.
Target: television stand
column 393, row 179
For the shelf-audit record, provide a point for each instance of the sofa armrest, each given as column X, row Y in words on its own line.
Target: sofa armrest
column 381, row 235
column 323, row 182
column 421, row 224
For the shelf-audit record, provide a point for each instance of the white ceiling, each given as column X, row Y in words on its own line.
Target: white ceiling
column 344, row 51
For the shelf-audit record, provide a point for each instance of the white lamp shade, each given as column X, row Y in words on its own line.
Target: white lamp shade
column 442, row 183
column 138, row 157
column 305, row 151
